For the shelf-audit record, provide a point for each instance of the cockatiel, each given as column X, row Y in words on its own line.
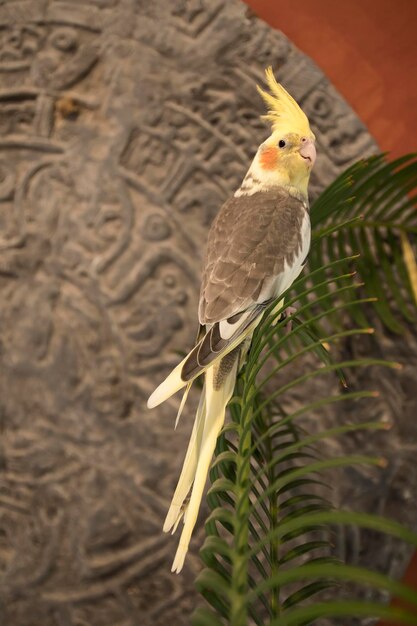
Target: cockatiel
column 257, row 246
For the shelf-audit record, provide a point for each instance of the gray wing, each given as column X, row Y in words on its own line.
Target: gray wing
column 251, row 242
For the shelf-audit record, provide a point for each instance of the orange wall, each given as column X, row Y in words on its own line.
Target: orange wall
column 368, row 49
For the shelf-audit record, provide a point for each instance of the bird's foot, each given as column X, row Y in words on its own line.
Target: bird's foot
column 290, row 310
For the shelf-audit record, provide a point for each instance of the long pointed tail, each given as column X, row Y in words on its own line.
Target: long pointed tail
column 219, row 385
column 186, row 478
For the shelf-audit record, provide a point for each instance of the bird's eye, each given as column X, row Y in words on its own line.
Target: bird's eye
column 281, row 143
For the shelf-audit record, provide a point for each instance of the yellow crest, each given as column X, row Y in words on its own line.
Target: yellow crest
column 284, row 113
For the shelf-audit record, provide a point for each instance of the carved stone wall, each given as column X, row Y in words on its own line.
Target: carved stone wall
column 124, row 126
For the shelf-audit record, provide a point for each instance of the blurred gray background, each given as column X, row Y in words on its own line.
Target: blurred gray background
column 124, row 126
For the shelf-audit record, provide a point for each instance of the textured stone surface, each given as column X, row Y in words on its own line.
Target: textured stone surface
column 124, row 125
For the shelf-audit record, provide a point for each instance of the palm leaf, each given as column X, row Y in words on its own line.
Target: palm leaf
column 270, row 520
column 370, row 210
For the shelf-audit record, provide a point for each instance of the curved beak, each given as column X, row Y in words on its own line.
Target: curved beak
column 308, row 151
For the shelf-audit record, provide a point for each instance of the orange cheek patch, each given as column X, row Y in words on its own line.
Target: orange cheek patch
column 269, row 158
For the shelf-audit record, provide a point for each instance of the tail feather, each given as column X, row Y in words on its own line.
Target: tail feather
column 188, row 469
column 182, row 404
column 217, row 395
column 172, row 383
column 220, row 377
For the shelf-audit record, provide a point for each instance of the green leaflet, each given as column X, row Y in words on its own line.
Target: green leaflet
column 307, row 614
column 370, row 210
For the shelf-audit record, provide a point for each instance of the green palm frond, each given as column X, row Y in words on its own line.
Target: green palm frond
column 268, row 551
column 370, row 210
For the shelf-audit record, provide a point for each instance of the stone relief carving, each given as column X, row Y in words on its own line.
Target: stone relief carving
column 123, row 127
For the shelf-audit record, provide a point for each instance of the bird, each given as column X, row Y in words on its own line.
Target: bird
column 257, row 246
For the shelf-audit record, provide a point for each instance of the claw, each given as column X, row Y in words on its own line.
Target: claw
column 290, row 310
